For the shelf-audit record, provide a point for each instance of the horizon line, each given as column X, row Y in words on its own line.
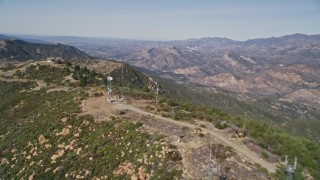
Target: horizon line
column 150, row 40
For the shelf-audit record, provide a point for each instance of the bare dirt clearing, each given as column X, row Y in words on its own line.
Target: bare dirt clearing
column 103, row 66
column 194, row 149
column 240, row 148
column 98, row 107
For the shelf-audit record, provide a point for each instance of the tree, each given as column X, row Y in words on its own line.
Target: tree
column 76, row 68
column 68, row 63
column 83, row 81
column 58, row 61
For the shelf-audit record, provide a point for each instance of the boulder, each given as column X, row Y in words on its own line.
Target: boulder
column 78, row 151
column 61, row 152
column 125, row 168
column 64, row 120
column 54, row 157
column 64, row 132
column 142, row 174
column 134, row 177
column 47, row 145
column 42, row 139
column 31, row 177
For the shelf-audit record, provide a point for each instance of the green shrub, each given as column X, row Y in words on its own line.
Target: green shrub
column 40, row 114
column 265, row 155
column 221, row 125
column 48, row 74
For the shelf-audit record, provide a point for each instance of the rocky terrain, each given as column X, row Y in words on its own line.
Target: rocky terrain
column 257, row 67
column 280, row 76
column 71, row 132
column 57, row 121
column 277, row 79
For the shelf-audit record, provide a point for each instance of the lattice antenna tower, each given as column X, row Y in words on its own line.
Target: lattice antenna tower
column 211, row 169
column 290, row 169
column 109, row 78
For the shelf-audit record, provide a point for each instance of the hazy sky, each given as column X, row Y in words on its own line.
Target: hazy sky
column 160, row 19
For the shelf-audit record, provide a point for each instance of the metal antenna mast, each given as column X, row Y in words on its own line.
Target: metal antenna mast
column 290, row 169
column 211, row 169
column 109, row 78
column 219, row 172
column 157, row 93
column 122, row 82
column 210, row 173
column 244, row 124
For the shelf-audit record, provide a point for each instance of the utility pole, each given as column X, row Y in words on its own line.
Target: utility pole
column 216, row 152
column 157, row 93
column 244, row 124
column 210, row 173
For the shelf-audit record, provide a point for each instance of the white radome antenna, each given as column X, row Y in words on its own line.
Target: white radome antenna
column 109, row 78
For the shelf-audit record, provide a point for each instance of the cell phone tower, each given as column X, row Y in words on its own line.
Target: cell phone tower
column 213, row 169
column 290, row 169
column 109, row 78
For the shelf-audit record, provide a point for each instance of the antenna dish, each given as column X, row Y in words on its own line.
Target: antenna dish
column 109, row 78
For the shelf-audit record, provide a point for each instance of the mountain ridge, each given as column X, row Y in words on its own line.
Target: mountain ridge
column 66, row 38
column 263, row 72
column 22, row 51
column 71, row 130
column 273, row 78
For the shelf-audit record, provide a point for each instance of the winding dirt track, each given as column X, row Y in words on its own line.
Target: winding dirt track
column 240, row 148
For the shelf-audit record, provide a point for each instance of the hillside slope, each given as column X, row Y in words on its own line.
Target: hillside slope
column 279, row 76
column 66, row 136
column 69, row 131
column 22, row 51
column 45, row 134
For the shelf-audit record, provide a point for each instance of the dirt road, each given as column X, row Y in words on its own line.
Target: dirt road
column 240, row 148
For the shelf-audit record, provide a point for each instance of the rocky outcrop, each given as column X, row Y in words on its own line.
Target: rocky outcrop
column 58, row 155
column 64, row 132
column 154, row 87
column 125, row 168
